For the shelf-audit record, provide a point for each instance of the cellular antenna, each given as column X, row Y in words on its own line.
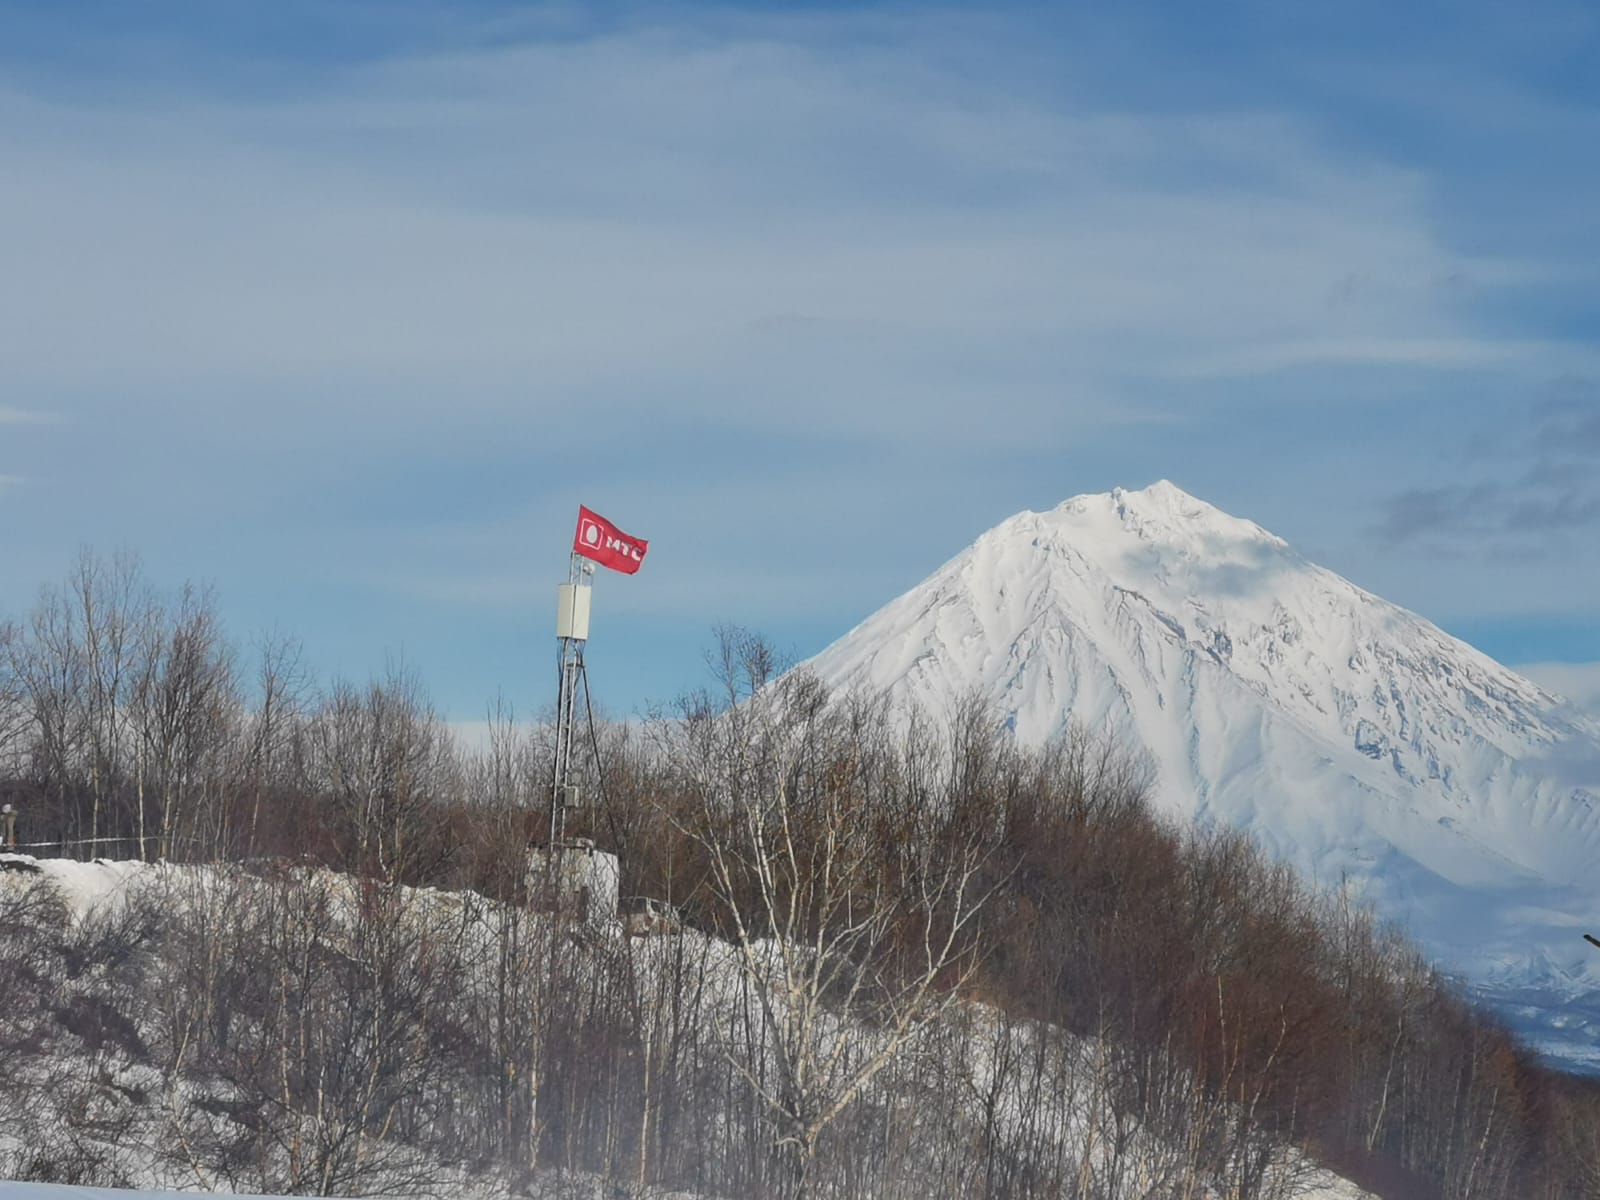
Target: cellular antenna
column 577, row 876
column 572, row 634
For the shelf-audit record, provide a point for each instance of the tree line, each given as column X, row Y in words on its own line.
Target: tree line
column 915, row 960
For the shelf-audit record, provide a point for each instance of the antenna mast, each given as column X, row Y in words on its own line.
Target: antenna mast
column 572, row 633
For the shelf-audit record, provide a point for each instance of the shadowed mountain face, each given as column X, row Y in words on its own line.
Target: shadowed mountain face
column 1351, row 737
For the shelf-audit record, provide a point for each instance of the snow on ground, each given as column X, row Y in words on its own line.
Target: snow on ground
column 86, row 887
column 60, row 1191
column 1333, row 1189
column 92, row 890
column 587, row 1188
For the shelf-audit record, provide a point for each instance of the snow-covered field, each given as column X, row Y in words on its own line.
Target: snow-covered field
column 1351, row 737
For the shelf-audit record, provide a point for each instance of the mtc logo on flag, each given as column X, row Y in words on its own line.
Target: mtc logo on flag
column 599, row 539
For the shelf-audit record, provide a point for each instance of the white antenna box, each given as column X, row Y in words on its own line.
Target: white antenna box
column 572, row 612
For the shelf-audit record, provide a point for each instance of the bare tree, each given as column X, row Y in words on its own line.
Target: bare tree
column 274, row 720
column 384, row 759
column 841, row 901
column 113, row 616
column 49, row 669
column 14, row 716
column 185, row 705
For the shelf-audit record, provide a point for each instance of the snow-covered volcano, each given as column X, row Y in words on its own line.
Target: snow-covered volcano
column 1351, row 737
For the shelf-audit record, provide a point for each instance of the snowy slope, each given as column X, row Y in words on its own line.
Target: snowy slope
column 92, row 891
column 1350, row 736
column 1330, row 1188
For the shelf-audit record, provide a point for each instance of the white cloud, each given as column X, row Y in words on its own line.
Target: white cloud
column 1440, row 354
column 1578, row 682
column 23, row 416
column 716, row 211
column 474, row 737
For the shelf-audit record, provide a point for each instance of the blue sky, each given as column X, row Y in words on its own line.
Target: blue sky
column 345, row 308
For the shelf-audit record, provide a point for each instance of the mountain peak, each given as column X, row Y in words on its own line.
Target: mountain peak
column 1162, row 513
column 1163, row 492
column 1354, row 738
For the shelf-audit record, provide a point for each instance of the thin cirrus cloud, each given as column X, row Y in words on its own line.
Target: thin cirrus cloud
column 1579, row 683
column 1524, row 489
column 1445, row 354
column 23, row 416
column 624, row 207
column 743, row 277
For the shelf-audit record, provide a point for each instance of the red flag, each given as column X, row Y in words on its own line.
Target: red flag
column 599, row 539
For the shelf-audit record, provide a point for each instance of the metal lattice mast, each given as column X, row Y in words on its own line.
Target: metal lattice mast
column 572, row 633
